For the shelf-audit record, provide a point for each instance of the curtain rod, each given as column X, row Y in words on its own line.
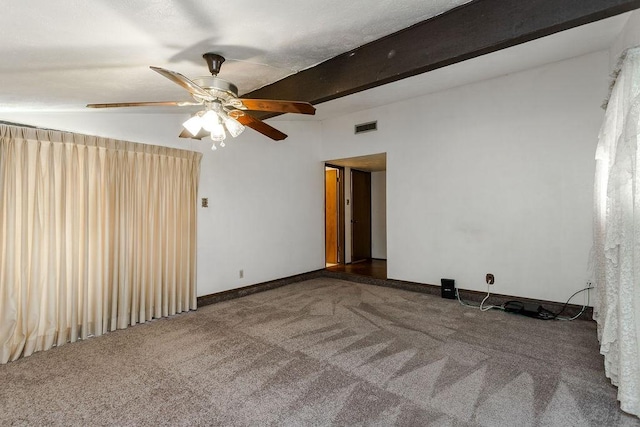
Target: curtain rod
column 2, row 122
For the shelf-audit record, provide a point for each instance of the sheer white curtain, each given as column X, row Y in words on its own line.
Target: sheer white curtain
column 617, row 234
column 95, row 235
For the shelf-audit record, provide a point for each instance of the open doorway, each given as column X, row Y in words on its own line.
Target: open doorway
column 373, row 258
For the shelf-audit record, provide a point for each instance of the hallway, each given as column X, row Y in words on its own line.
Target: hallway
column 374, row 268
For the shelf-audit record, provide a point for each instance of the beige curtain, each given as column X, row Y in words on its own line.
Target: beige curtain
column 95, row 235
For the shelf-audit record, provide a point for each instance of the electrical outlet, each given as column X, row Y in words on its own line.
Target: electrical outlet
column 241, row 274
column 490, row 279
column 589, row 284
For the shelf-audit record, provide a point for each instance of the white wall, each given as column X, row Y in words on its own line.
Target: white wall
column 268, row 209
column 379, row 215
column 492, row 177
column 629, row 37
column 266, row 212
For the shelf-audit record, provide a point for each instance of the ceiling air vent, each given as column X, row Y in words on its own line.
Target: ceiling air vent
column 366, row 127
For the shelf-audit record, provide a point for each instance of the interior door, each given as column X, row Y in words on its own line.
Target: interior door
column 360, row 215
column 331, row 219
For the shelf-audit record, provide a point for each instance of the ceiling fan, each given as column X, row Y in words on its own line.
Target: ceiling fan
column 223, row 109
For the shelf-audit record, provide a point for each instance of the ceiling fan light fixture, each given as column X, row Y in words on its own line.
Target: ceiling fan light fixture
column 219, row 98
column 234, row 127
column 218, row 133
column 193, row 125
column 210, row 121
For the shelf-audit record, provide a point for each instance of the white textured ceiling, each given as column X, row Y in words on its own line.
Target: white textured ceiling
column 60, row 55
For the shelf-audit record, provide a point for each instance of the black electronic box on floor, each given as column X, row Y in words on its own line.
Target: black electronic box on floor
column 448, row 288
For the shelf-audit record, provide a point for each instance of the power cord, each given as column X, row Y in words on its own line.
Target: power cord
column 545, row 315
column 487, row 308
column 584, row 306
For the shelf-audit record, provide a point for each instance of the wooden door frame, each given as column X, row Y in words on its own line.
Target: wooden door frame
column 341, row 212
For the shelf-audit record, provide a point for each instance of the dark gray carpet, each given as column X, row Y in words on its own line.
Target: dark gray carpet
column 322, row 352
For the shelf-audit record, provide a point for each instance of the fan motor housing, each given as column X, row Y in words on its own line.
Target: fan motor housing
column 215, row 83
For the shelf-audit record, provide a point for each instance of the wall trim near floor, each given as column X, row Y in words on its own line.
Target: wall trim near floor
column 259, row 287
column 466, row 295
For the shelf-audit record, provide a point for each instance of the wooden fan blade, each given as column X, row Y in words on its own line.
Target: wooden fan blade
column 145, row 104
column 257, row 125
column 276, row 106
column 183, row 81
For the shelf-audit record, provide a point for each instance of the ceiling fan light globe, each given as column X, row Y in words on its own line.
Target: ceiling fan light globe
column 234, row 127
column 218, row 133
column 193, row 125
column 210, row 121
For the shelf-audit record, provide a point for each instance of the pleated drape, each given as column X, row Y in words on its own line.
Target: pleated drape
column 616, row 232
column 95, row 235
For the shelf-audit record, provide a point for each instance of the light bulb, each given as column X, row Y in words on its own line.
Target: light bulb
column 210, row 120
column 218, row 133
column 234, row 127
column 213, row 147
column 193, row 125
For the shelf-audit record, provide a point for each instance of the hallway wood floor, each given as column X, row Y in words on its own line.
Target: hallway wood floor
column 376, row 268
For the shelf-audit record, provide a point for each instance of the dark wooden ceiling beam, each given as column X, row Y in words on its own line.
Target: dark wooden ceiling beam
column 471, row 30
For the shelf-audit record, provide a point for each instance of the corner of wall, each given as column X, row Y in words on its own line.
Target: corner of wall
column 628, row 37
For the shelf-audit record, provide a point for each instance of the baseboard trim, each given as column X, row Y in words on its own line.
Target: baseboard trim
column 389, row 283
column 259, row 287
column 466, row 295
